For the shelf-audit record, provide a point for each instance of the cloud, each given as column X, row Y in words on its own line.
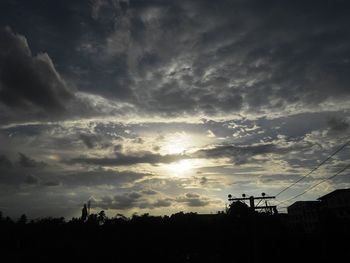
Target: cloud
column 149, row 192
column 34, row 180
column 187, row 59
column 25, row 161
column 262, row 93
column 32, row 89
column 31, row 180
column 96, row 141
column 5, row 162
column 88, row 140
column 177, row 58
column 338, row 124
column 122, row 159
column 162, row 203
column 98, row 177
column 242, row 154
column 107, row 10
column 238, row 154
column 118, row 148
column 27, row 81
column 133, row 200
column 193, row 200
column 121, row 201
column 203, row 180
column 51, row 183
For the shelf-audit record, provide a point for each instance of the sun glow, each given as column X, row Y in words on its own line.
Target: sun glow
column 180, row 167
column 177, row 143
column 54, row 157
column 182, row 144
column 185, row 167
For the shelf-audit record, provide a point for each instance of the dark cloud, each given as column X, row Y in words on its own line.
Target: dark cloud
column 203, row 180
column 94, row 141
column 51, row 183
column 338, row 124
column 229, row 150
column 25, row 161
column 193, row 200
column 174, row 58
column 162, row 203
column 238, row 154
column 27, row 81
column 132, row 200
column 31, row 180
column 100, row 177
column 136, row 200
column 88, row 140
column 149, row 192
column 242, row 154
column 5, row 162
column 197, row 60
column 122, row 159
column 117, row 148
column 122, row 201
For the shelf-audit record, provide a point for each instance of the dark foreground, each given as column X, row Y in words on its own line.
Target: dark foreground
column 179, row 238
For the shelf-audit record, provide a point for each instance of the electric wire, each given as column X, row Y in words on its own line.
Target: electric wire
column 317, row 184
column 315, row 168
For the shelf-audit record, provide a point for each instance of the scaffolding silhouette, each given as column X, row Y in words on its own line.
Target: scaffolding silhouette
column 268, row 209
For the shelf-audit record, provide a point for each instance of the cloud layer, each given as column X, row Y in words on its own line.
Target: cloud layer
column 171, row 58
column 169, row 106
column 29, row 82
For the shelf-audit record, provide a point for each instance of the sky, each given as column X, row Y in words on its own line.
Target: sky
column 166, row 106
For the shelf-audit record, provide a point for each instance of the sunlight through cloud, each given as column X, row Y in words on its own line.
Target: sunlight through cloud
column 177, row 143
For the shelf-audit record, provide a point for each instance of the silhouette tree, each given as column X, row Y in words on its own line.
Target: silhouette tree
column 84, row 213
column 238, row 209
column 23, row 219
column 101, row 217
column 121, row 216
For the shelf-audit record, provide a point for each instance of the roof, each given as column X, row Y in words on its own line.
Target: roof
column 304, row 203
column 334, row 193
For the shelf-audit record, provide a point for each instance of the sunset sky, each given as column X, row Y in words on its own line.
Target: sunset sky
column 166, row 106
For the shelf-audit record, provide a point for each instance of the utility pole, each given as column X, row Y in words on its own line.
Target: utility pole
column 270, row 209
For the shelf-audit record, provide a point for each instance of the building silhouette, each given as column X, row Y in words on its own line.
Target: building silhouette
column 337, row 204
column 309, row 215
column 304, row 215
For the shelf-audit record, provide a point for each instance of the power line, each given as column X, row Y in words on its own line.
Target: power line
column 315, row 168
column 313, row 186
